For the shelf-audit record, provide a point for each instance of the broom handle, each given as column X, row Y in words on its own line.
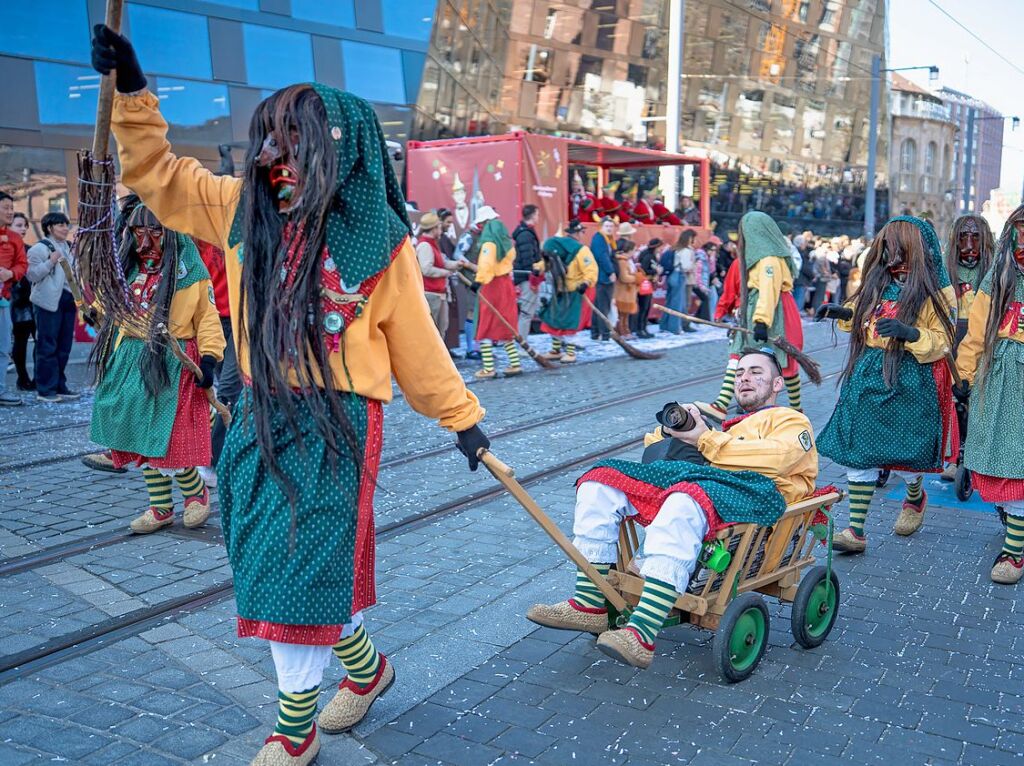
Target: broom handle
column 105, row 104
column 488, row 304
column 698, row 320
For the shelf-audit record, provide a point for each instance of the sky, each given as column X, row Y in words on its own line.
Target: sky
column 919, row 34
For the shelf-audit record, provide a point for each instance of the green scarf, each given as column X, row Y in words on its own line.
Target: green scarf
column 762, row 239
column 494, row 231
column 368, row 221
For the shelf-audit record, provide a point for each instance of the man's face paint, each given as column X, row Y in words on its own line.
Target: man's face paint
column 969, row 244
column 1018, row 243
column 148, row 234
column 284, row 177
column 897, row 265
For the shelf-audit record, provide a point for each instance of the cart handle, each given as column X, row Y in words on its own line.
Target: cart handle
column 506, row 476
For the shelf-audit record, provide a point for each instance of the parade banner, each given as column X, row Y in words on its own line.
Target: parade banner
column 545, row 182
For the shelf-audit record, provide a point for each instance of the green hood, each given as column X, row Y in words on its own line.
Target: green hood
column 494, row 231
column 564, row 247
column 762, row 239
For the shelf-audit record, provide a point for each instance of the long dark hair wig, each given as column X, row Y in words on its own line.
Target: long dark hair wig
column 283, row 318
column 897, row 239
column 116, row 316
column 1005, row 273
column 986, row 246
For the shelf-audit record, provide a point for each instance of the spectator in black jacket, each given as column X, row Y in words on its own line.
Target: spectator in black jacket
column 529, row 264
column 649, row 271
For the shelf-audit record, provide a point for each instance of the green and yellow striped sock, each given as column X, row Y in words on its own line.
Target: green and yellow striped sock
column 793, row 389
column 728, row 386
column 556, row 344
column 359, row 656
column 656, row 601
column 587, row 594
column 570, row 349
column 1014, row 541
column 487, row 355
column 861, row 493
column 914, row 491
column 159, row 488
column 295, row 713
column 513, row 354
column 190, row 483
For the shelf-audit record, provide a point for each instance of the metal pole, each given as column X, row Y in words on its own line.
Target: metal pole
column 669, row 175
column 968, row 161
column 869, row 190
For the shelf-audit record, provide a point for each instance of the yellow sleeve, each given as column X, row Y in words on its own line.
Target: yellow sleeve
column 768, row 277
column 933, row 344
column 582, row 269
column 206, row 323
column 485, row 265
column 771, row 457
column 183, row 194
column 419, row 361
column 654, row 437
column 969, row 350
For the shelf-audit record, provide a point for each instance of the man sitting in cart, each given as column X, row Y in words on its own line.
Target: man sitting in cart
column 760, row 462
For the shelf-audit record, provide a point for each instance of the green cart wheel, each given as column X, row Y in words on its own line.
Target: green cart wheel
column 742, row 637
column 815, row 608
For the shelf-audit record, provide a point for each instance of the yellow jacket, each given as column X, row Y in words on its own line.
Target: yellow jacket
column 192, row 315
column 582, row 269
column 776, row 442
column 933, row 344
column 969, row 351
column 770, row 277
column 395, row 334
column 488, row 266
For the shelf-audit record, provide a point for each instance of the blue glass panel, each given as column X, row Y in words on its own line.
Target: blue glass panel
column 408, row 18
column 183, row 102
column 53, row 29
column 66, row 95
column 337, row 12
column 373, row 72
column 413, row 64
column 171, row 42
column 249, row 5
column 277, row 57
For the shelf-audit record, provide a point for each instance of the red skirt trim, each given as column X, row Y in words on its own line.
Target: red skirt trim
column 501, row 293
column 994, row 489
column 793, row 328
column 555, row 332
column 189, row 445
column 364, row 587
column 648, row 499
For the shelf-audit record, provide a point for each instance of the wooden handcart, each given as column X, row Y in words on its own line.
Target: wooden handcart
column 762, row 561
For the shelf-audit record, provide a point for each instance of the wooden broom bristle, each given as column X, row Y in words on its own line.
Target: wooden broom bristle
column 808, row 365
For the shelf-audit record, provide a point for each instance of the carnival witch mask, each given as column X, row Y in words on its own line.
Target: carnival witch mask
column 1018, row 243
column 284, row 177
column 148, row 234
column 895, row 261
column 969, row 244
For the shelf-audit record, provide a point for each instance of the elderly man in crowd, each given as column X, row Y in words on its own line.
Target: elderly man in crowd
column 436, row 269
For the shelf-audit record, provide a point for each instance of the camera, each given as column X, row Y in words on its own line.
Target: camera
column 674, row 416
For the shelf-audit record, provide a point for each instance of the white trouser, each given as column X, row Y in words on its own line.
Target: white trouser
column 300, row 667
column 1013, row 508
column 868, row 475
column 671, row 546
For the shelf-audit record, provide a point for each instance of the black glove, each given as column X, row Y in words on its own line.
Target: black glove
column 962, row 391
column 894, row 328
column 760, row 332
column 207, row 365
column 471, row 441
column 475, row 287
column 582, row 287
column 833, row 311
column 113, row 51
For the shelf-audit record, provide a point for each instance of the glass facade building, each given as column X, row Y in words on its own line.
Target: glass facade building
column 210, row 63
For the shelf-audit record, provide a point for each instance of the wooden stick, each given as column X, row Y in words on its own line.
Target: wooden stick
column 630, row 349
column 532, row 352
column 222, row 410
column 953, row 371
column 698, row 320
column 105, row 103
column 69, row 275
column 506, row 476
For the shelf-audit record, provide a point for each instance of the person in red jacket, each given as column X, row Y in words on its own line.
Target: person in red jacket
column 13, row 265
column 729, row 301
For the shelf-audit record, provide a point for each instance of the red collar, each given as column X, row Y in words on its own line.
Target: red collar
column 727, row 424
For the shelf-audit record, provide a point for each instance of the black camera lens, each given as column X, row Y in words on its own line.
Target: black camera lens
column 674, row 416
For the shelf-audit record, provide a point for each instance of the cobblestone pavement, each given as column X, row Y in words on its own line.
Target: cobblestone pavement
column 922, row 666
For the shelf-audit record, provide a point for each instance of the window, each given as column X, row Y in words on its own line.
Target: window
column 373, row 72
column 248, row 5
column 408, row 18
column 275, row 58
column 66, row 95
column 171, row 42
column 56, row 29
column 195, row 111
column 908, row 164
column 337, row 12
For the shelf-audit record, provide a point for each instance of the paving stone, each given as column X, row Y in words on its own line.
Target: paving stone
column 522, row 741
column 459, row 752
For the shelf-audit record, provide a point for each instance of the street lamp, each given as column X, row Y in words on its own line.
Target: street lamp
column 876, row 83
